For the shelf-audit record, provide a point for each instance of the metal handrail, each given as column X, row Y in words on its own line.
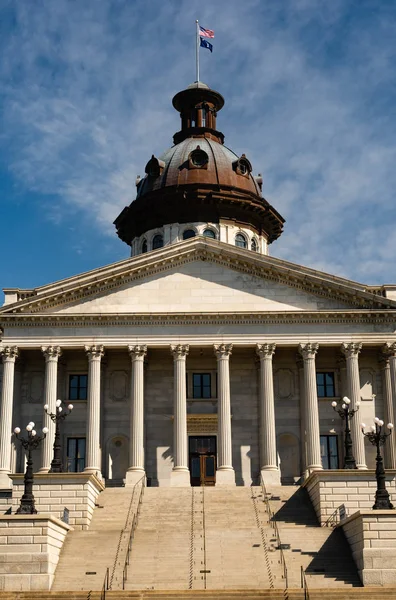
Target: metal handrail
column 304, row 584
column 335, row 517
column 135, row 522
column 105, row 587
column 123, row 530
column 274, row 525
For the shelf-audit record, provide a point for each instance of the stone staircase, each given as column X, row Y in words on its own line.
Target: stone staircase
column 372, row 593
column 203, row 538
column 87, row 554
column 323, row 552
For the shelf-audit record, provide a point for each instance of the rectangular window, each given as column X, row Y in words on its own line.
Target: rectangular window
column 329, row 451
column 202, row 385
column 75, row 455
column 325, row 385
column 78, row 387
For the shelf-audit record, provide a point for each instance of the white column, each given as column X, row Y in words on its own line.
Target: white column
column 269, row 467
column 51, row 354
column 225, row 474
column 389, row 351
column 351, row 353
column 389, row 448
column 93, row 457
column 180, row 475
column 311, row 408
column 136, row 441
column 9, row 355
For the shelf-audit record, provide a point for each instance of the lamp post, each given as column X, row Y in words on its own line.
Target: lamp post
column 346, row 413
column 57, row 417
column 30, row 443
column 377, row 437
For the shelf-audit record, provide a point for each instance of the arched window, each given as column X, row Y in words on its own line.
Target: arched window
column 158, row 241
column 209, row 233
column 240, row 240
column 253, row 245
column 144, row 246
column 188, row 233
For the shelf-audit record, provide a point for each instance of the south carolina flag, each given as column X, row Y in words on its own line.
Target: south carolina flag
column 206, row 32
column 206, row 44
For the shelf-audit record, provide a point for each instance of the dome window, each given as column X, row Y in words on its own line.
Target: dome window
column 242, row 166
column 240, row 240
column 209, row 233
column 188, row 233
column 154, row 167
column 144, row 246
column 198, row 159
column 253, row 245
column 158, row 241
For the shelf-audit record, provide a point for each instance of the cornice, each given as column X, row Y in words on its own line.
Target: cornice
column 197, row 319
column 103, row 280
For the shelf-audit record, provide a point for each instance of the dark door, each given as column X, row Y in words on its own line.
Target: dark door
column 202, row 460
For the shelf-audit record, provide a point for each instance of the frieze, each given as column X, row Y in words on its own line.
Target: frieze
column 287, row 318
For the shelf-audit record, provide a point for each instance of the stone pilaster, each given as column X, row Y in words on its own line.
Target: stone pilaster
column 51, row 355
column 9, row 355
column 136, row 444
column 311, row 408
column 269, row 467
column 93, row 453
column 388, row 363
column 351, row 352
column 225, row 474
column 180, row 475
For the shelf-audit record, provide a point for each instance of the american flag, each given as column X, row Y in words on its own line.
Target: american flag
column 206, row 32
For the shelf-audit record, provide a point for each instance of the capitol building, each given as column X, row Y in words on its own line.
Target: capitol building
column 204, row 371
column 200, row 358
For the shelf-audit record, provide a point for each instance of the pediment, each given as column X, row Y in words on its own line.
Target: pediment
column 198, row 275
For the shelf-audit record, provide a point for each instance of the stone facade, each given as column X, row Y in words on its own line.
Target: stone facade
column 372, row 537
column 341, row 493
column 30, row 546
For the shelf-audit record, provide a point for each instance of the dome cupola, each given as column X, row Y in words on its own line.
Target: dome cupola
column 200, row 184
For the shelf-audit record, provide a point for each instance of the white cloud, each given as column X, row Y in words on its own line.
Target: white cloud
column 87, row 93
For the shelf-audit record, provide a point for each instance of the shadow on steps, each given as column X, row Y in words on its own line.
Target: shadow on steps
column 298, row 510
column 334, row 560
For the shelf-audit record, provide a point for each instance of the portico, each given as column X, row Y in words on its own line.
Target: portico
column 246, row 395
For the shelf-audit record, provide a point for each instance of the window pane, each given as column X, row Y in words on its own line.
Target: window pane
column 189, row 233
column 240, row 241
column 158, row 242
column 195, row 467
column 324, row 451
column 321, row 391
column 330, row 384
column 210, row 466
column 73, row 381
column 209, row 233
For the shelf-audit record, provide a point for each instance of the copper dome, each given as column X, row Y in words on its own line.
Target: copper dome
column 199, row 179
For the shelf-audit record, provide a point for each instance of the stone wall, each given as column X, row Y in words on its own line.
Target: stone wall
column 372, row 538
column 353, row 490
column 77, row 492
column 30, row 547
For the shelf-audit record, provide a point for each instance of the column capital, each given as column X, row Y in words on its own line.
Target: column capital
column 51, row 352
column 138, row 351
column 9, row 353
column 265, row 350
column 308, row 351
column 351, row 349
column 388, row 350
column 179, row 351
column 94, row 352
column 222, row 350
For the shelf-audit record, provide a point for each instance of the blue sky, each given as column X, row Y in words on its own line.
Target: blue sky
column 85, row 93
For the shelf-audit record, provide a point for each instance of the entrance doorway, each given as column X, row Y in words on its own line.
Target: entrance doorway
column 202, row 453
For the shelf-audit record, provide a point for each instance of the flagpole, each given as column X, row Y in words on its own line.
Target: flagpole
column 197, row 50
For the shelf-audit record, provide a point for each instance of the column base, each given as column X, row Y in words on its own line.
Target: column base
column 180, row 479
column 271, row 476
column 43, row 470
column 225, row 477
column 5, row 481
column 132, row 477
column 362, row 467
